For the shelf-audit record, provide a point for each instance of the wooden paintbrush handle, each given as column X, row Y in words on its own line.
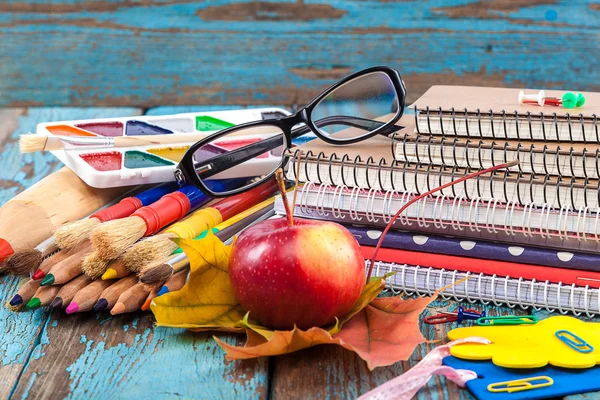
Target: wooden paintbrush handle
column 134, row 141
column 32, row 216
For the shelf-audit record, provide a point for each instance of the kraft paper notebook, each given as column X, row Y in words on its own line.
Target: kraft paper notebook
column 495, row 113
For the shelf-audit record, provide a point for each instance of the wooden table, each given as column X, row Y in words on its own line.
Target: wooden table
column 138, row 54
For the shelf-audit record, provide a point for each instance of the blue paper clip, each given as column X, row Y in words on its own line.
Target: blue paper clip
column 519, row 385
column 574, row 341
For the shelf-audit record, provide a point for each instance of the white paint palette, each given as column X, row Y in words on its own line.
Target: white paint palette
column 124, row 166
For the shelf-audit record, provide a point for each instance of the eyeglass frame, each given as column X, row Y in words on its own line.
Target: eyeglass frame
column 186, row 173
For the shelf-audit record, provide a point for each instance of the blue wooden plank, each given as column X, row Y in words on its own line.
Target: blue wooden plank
column 228, row 52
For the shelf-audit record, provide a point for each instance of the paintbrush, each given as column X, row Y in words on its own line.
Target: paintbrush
column 156, row 274
column 31, row 143
column 23, row 262
column 32, row 216
column 160, row 247
column 72, row 234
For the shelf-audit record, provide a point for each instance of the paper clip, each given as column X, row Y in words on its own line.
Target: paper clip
column 574, row 341
column 519, row 385
column 508, row 320
column 460, row 316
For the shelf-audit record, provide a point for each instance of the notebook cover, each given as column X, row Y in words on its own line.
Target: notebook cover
column 498, row 99
column 423, row 242
column 566, row 381
column 488, row 267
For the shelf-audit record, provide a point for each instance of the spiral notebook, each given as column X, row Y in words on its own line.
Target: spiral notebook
column 495, row 113
column 371, row 165
column 535, row 225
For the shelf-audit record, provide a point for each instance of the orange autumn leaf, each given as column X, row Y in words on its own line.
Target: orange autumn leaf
column 385, row 331
column 382, row 333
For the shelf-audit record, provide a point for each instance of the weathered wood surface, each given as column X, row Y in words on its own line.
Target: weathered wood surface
column 152, row 52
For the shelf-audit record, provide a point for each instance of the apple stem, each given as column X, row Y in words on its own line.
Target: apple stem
column 281, row 183
column 404, row 207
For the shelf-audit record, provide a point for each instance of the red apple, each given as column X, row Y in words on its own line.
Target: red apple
column 304, row 275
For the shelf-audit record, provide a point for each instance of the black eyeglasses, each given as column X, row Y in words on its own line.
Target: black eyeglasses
column 358, row 107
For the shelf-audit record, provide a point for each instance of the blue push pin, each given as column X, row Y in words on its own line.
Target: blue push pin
column 468, row 314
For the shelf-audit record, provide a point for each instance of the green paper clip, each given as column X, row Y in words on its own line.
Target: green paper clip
column 508, row 320
column 574, row 341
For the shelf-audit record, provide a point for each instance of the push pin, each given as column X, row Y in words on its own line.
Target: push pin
column 539, row 98
column 460, row 316
column 568, row 100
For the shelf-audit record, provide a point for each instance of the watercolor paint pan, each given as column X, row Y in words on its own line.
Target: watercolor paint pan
column 139, row 165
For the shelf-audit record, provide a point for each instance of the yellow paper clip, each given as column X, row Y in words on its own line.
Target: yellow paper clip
column 518, row 385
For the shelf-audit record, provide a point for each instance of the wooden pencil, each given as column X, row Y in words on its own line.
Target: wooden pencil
column 67, row 292
column 131, row 300
column 47, row 264
column 25, row 293
column 69, row 268
column 43, row 297
column 110, row 295
column 149, row 299
column 116, row 269
column 85, row 299
column 174, row 283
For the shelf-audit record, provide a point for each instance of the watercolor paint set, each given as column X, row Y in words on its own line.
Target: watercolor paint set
column 153, row 163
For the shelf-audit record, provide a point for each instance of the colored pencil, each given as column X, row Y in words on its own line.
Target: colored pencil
column 115, row 270
column 69, row 268
column 231, row 210
column 176, row 282
column 42, row 297
column 86, row 298
column 149, row 299
column 110, row 295
column 66, row 293
column 71, row 234
column 131, row 300
column 47, row 264
column 25, row 293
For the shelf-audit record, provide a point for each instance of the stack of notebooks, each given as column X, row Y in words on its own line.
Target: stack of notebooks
column 527, row 237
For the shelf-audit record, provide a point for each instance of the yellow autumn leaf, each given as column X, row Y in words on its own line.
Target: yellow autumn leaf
column 207, row 300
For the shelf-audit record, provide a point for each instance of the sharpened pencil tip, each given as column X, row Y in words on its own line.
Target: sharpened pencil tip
column 48, row 280
column 17, row 300
column 56, row 303
column 39, row 274
column 119, row 308
column 109, row 274
column 33, row 303
column 72, row 308
column 163, row 290
column 100, row 305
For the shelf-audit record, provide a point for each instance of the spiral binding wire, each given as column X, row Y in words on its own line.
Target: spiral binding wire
column 512, row 292
column 456, row 212
column 427, row 116
column 469, row 154
column 410, row 176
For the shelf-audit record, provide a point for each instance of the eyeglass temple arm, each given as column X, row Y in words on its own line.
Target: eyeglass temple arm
column 224, row 161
